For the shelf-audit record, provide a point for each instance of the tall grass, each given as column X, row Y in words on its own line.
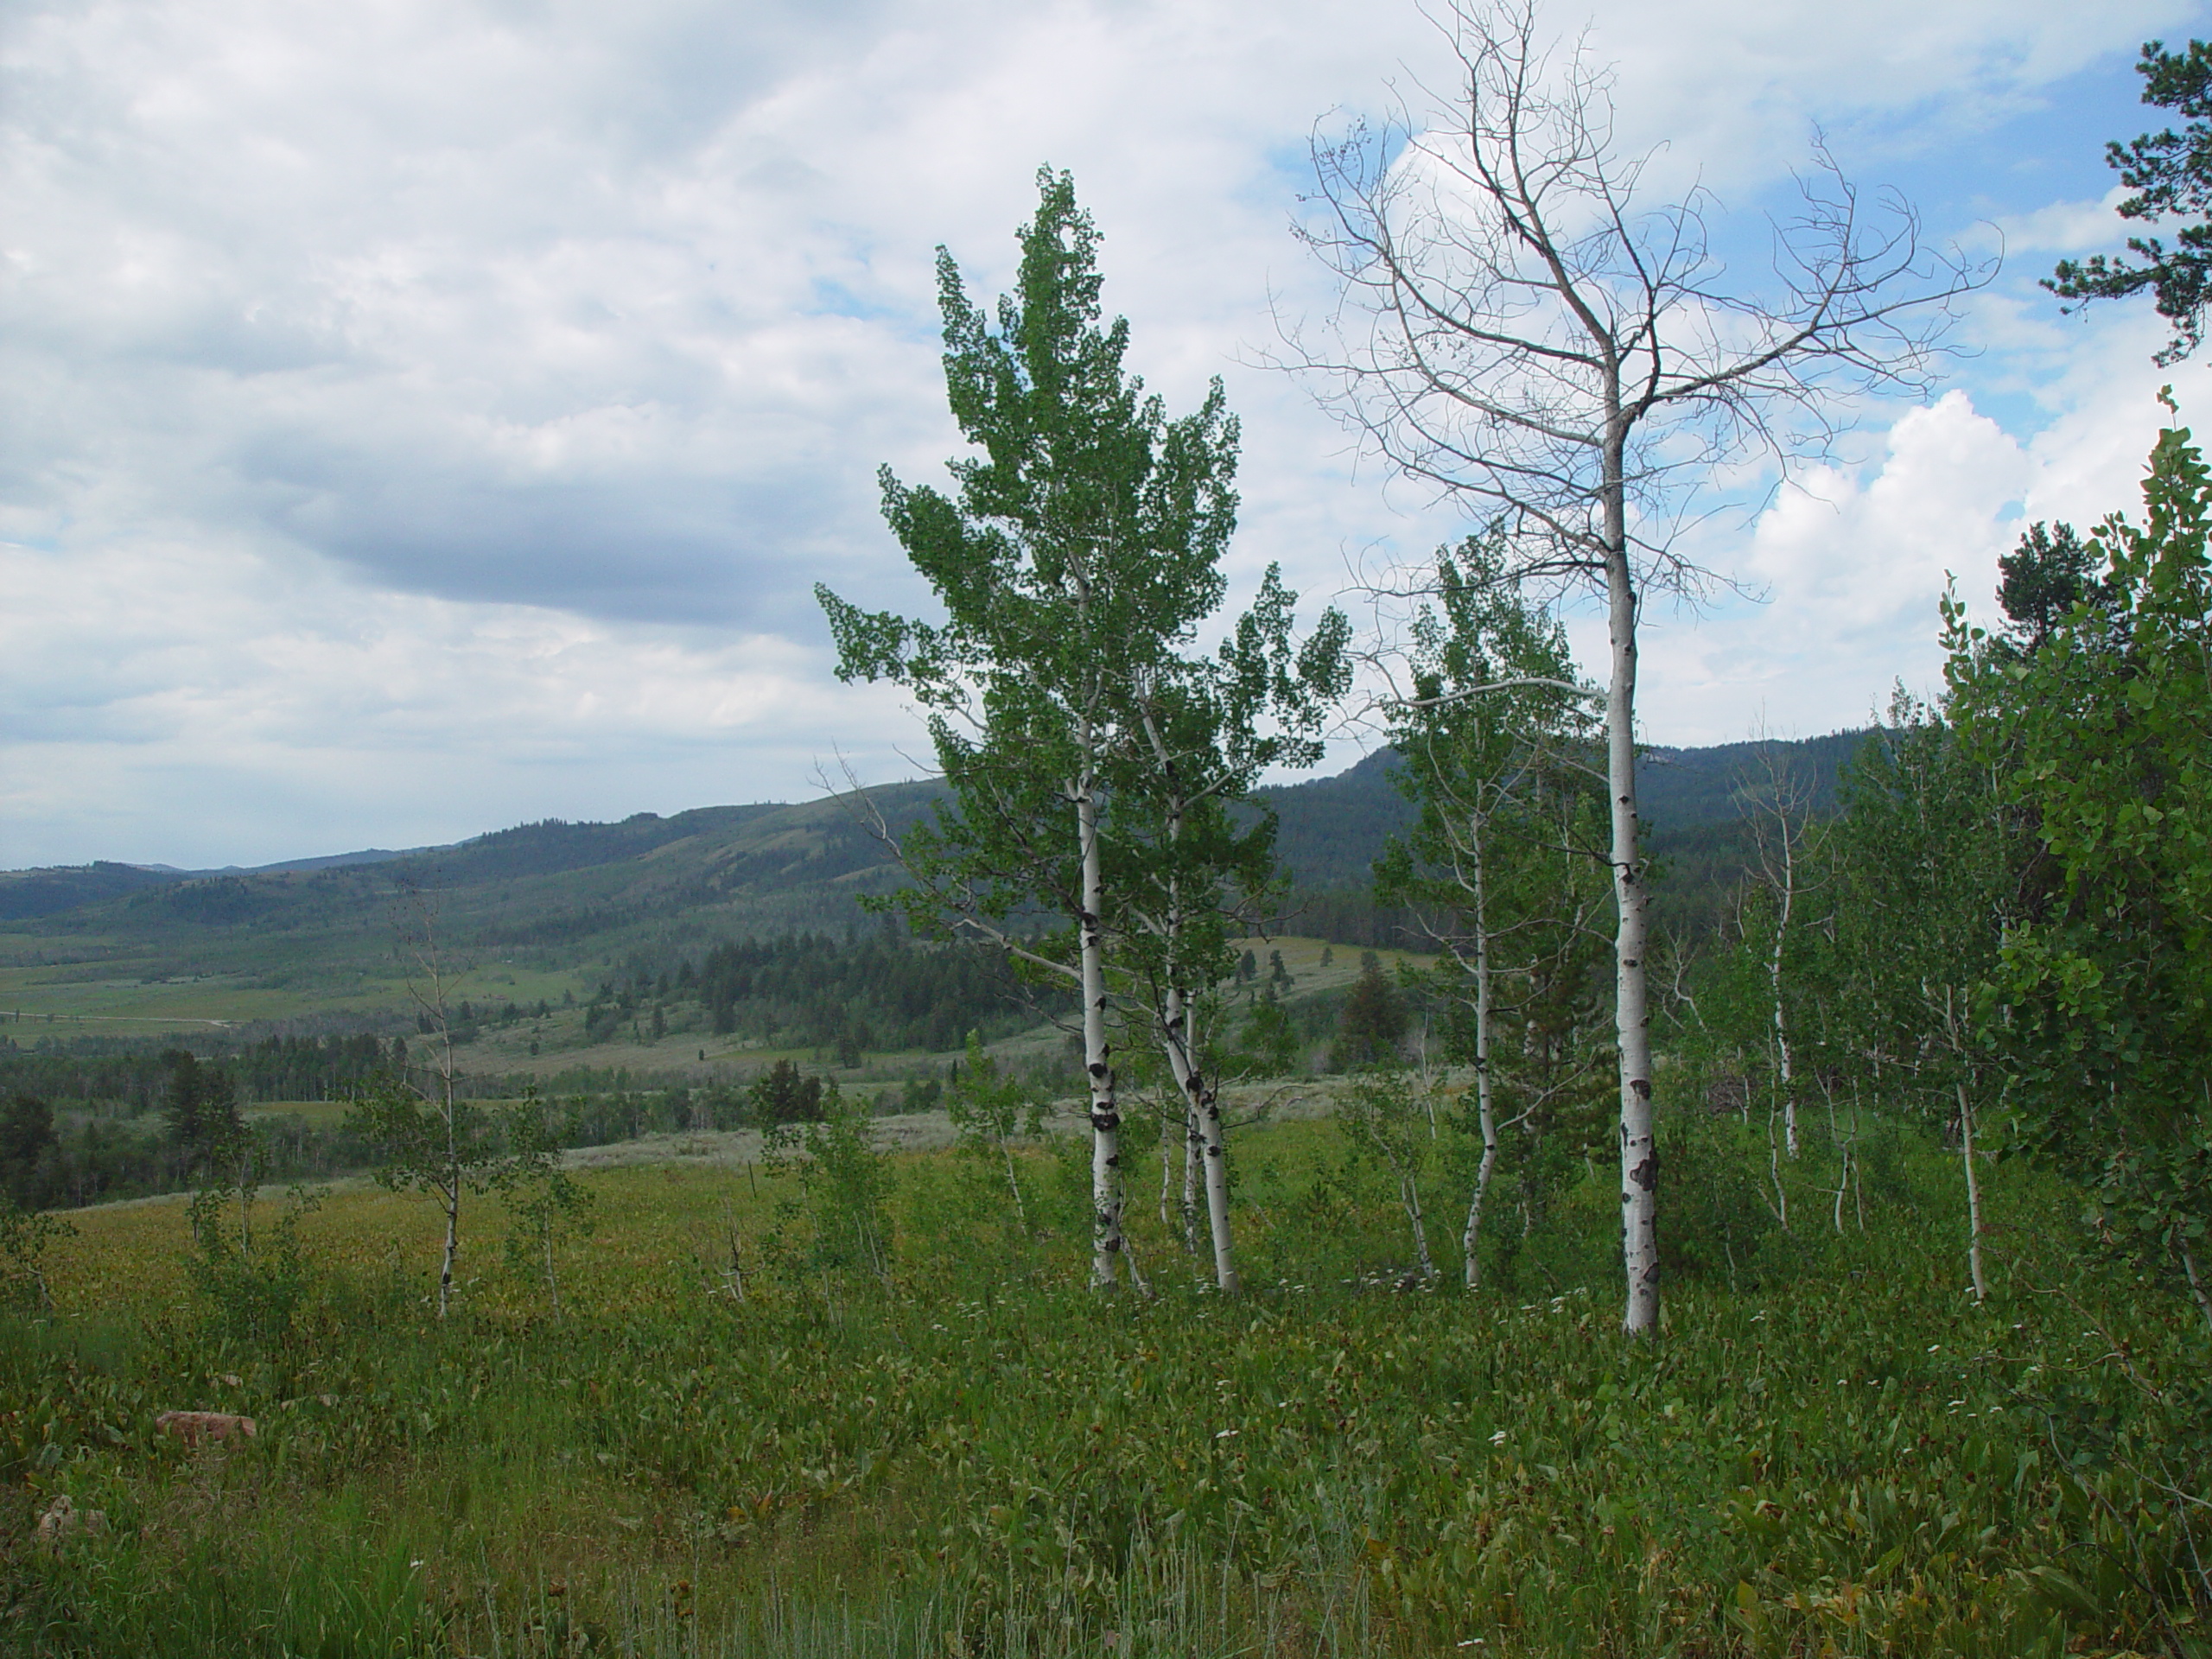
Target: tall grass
column 1830, row 1449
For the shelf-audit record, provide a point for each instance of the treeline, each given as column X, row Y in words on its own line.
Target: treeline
column 127, row 1077
column 2005, row 931
column 878, row 991
column 1348, row 915
column 56, row 1160
column 53, row 1161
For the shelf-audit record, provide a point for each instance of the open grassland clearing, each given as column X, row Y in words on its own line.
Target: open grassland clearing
column 82, row 1001
column 970, row 1454
column 82, row 998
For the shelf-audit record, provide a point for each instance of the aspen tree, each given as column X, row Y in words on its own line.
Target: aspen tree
column 1789, row 842
column 1927, row 859
column 1079, row 550
column 1496, row 742
column 431, row 1138
column 1520, row 327
column 1203, row 739
column 2098, row 735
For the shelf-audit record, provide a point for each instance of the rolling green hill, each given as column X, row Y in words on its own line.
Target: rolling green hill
column 551, row 911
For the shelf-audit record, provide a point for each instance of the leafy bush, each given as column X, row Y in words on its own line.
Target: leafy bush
column 1717, row 1215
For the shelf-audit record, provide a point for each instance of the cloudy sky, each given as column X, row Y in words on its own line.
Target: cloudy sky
column 417, row 418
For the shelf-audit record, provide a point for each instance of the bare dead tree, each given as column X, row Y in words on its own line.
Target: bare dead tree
column 1521, row 329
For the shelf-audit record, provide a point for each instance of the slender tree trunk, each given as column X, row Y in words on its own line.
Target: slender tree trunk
column 736, row 1274
column 2196, row 1286
column 1473, row 1238
column 1631, row 1016
column 452, row 1196
column 1166, row 1170
column 1179, row 1037
column 1974, row 1194
column 1409, row 1191
column 1485, row 1103
column 1098, row 1070
column 1014, row 1186
column 453, row 1165
column 1774, row 978
column 1193, row 1157
column 1773, row 1170
column 1138, row 1283
column 552, row 1282
column 1203, row 1103
column 1858, row 1175
column 1215, row 1147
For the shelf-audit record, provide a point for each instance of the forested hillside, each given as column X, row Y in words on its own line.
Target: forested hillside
column 576, row 898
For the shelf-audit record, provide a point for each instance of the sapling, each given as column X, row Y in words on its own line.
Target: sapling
column 431, row 1139
column 1495, row 740
column 543, row 1203
column 990, row 1111
column 847, row 1180
column 1383, row 1115
column 25, row 1237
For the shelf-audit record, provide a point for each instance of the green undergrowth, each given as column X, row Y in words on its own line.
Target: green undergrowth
column 1830, row 1449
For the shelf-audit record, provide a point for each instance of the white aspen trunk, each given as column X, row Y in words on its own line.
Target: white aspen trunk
column 1631, row 1016
column 2196, row 1286
column 1215, row 1145
column 735, row 1274
column 1410, row 1191
column 1973, row 1195
column 453, row 1165
column 1774, row 978
column 1179, row 1037
column 1098, row 1070
column 1774, row 1169
column 1473, row 1238
column 1203, row 1105
column 1166, row 1171
column 1193, row 1157
column 1141, row 1285
column 1485, row 1105
column 1858, row 1175
column 552, row 1282
column 452, row 1196
column 1014, row 1185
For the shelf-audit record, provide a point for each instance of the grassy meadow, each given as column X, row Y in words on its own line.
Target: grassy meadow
column 1829, row 1450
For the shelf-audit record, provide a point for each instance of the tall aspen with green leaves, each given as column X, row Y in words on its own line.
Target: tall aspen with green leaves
column 1206, row 730
column 1076, row 556
column 2098, row 1010
column 1497, row 746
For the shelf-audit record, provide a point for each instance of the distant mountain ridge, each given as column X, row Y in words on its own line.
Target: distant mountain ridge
column 767, row 864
